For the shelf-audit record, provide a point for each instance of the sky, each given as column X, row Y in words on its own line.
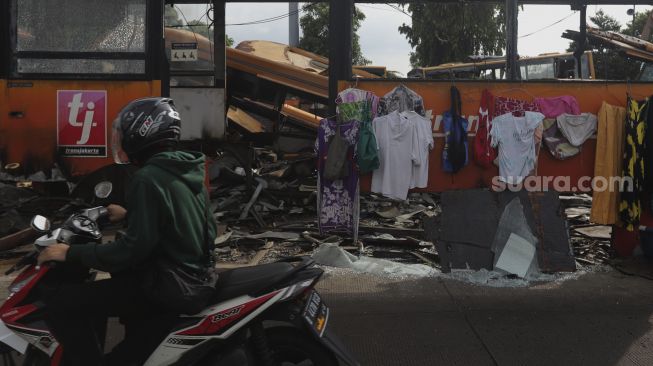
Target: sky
column 380, row 39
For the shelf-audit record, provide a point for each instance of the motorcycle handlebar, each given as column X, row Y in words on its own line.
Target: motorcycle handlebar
column 98, row 213
column 25, row 260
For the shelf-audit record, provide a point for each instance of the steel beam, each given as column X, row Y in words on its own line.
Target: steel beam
column 512, row 68
column 219, row 32
column 293, row 24
column 582, row 38
column 340, row 42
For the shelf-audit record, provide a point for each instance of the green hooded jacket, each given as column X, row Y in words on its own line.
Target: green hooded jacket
column 165, row 217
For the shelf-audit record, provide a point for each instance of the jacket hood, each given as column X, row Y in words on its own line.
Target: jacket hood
column 187, row 166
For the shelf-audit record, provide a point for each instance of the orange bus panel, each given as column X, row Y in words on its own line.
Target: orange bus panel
column 436, row 95
column 28, row 120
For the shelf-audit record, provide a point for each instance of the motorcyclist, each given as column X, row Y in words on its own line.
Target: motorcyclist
column 166, row 216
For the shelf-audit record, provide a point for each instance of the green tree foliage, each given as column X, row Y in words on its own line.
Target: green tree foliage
column 200, row 27
column 171, row 17
column 608, row 63
column 451, row 32
column 605, row 22
column 634, row 27
column 315, row 32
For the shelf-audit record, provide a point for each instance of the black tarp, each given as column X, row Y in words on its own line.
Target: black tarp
column 468, row 225
column 469, row 222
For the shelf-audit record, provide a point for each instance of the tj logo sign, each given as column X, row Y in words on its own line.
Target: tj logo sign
column 82, row 123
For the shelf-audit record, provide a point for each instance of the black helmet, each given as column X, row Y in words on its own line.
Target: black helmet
column 143, row 124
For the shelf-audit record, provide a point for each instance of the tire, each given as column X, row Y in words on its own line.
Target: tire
column 35, row 357
column 292, row 347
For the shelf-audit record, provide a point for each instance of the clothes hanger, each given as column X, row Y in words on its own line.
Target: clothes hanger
column 354, row 84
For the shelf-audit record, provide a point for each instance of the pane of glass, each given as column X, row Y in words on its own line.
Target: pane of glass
column 190, row 24
column 541, row 71
column 81, row 25
column 647, row 73
column 68, row 66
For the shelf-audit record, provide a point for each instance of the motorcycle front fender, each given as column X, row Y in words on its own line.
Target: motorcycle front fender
column 11, row 339
column 333, row 343
column 289, row 313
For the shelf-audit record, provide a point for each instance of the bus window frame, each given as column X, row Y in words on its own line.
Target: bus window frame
column 530, row 62
column 153, row 46
column 217, row 83
column 4, row 38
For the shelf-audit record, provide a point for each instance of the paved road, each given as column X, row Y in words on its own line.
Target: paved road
column 598, row 319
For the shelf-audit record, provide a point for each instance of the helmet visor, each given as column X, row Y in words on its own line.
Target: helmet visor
column 119, row 155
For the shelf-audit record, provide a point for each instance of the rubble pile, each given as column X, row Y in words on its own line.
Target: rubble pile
column 590, row 242
column 265, row 205
column 269, row 213
column 12, row 199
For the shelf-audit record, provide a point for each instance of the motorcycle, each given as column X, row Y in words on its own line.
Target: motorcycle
column 269, row 315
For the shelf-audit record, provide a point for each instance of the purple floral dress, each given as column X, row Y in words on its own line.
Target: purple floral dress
column 338, row 201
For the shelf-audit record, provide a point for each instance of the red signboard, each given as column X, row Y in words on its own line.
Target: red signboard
column 82, row 123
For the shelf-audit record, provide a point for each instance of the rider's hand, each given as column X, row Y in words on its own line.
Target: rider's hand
column 116, row 213
column 56, row 252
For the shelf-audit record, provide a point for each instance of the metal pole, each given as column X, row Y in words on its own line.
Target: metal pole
column 512, row 68
column 219, row 33
column 293, row 24
column 340, row 41
column 582, row 37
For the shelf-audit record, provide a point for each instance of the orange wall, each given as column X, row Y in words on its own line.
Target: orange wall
column 32, row 140
column 436, row 95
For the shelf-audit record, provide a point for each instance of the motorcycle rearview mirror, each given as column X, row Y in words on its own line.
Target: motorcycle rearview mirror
column 41, row 224
column 103, row 189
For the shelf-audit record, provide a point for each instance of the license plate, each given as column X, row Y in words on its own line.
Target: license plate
column 316, row 313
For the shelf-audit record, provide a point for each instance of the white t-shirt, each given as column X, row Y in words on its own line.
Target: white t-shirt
column 424, row 141
column 515, row 138
column 398, row 153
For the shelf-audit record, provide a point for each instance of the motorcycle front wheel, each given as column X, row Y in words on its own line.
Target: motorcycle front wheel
column 290, row 347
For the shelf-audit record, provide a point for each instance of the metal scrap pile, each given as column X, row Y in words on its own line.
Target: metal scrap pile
column 395, row 230
column 269, row 212
column 265, row 205
column 17, row 207
column 254, row 192
column 590, row 242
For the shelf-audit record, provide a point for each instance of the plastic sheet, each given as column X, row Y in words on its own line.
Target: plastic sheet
column 332, row 255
